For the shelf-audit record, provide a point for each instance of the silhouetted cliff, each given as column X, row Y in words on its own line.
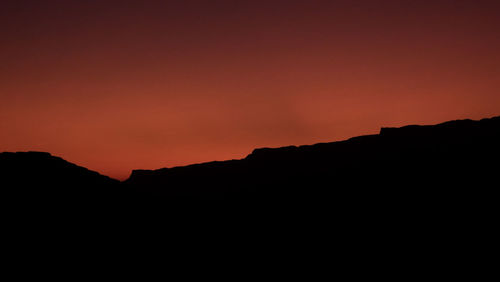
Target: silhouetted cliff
column 412, row 162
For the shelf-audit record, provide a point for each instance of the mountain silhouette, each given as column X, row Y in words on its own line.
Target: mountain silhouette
column 445, row 162
column 39, row 176
column 412, row 162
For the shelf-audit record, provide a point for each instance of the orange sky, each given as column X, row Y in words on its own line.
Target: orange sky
column 119, row 85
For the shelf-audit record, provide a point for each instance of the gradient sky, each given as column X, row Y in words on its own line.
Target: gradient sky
column 119, row 85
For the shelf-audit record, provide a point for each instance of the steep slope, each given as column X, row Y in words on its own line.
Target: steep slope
column 41, row 176
column 445, row 160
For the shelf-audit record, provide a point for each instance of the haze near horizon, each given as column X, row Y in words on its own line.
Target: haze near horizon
column 121, row 85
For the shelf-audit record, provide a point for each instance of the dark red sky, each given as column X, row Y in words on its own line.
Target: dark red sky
column 118, row 85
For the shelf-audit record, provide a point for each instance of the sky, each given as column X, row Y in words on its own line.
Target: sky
column 121, row 85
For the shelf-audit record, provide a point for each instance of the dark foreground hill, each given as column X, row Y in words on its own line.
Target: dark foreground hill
column 43, row 177
column 423, row 196
column 442, row 162
column 446, row 162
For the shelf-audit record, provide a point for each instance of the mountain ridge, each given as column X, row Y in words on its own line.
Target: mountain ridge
column 40, row 177
column 404, row 160
column 383, row 131
column 415, row 155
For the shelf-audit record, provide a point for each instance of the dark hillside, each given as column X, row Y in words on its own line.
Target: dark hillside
column 443, row 160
